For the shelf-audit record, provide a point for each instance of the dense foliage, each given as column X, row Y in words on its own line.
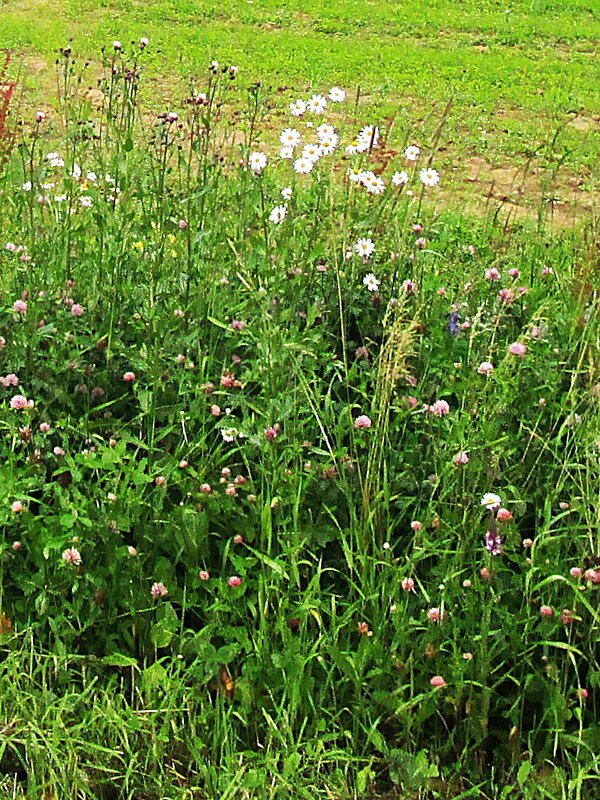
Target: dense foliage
column 291, row 455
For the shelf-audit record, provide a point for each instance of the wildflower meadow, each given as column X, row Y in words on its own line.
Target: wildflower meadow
column 300, row 460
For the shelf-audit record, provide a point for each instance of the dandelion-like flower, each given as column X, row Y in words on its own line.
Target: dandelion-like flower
column 364, row 247
column 429, row 177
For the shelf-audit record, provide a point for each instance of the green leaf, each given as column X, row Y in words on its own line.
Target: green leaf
column 523, row 772
column 119, row 660
column 154, row 677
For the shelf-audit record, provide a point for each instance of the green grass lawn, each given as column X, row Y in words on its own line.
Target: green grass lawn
column 518, row 72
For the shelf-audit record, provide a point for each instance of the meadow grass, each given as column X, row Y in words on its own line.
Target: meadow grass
column 299, row 478
column 520, row 74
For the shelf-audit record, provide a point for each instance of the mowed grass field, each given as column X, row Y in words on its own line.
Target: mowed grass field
column 522, row 76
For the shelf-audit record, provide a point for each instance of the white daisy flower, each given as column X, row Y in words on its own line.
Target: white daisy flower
column 412, row 152
column 57, row 162
column 297, row 108
column 287, row 151
column 352, row 148
column 86, row 201
column 312, row 151
column 52, row 156
column 26, row 186
column 375, row 185
column 354, row 175
column 60, row 198
column 369, row 135
column 336, row 95
column 257, row 161
column 317, row 104
column 491, row 501
column 287, row 193
column 303, row 165
column 429, row 176
column 371, row 282
column 328, row 145
column 76, row 171
column 325, row 131
column 278, row 214
column 46, row 186
column 290, row 137
column 91, row 176
column 364, row 247
column 365, row 175
column 400, row 178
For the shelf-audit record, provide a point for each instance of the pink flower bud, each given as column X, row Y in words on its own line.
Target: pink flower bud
column 437, row 682
column 546, row 611
column 576, row 572
column 234, row 581
column 203, row 575
column 408, row 584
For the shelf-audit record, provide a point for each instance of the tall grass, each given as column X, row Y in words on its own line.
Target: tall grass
column 245, row 551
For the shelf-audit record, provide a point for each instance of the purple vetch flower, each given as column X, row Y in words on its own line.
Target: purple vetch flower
column 493, row 543
column 453, row 324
